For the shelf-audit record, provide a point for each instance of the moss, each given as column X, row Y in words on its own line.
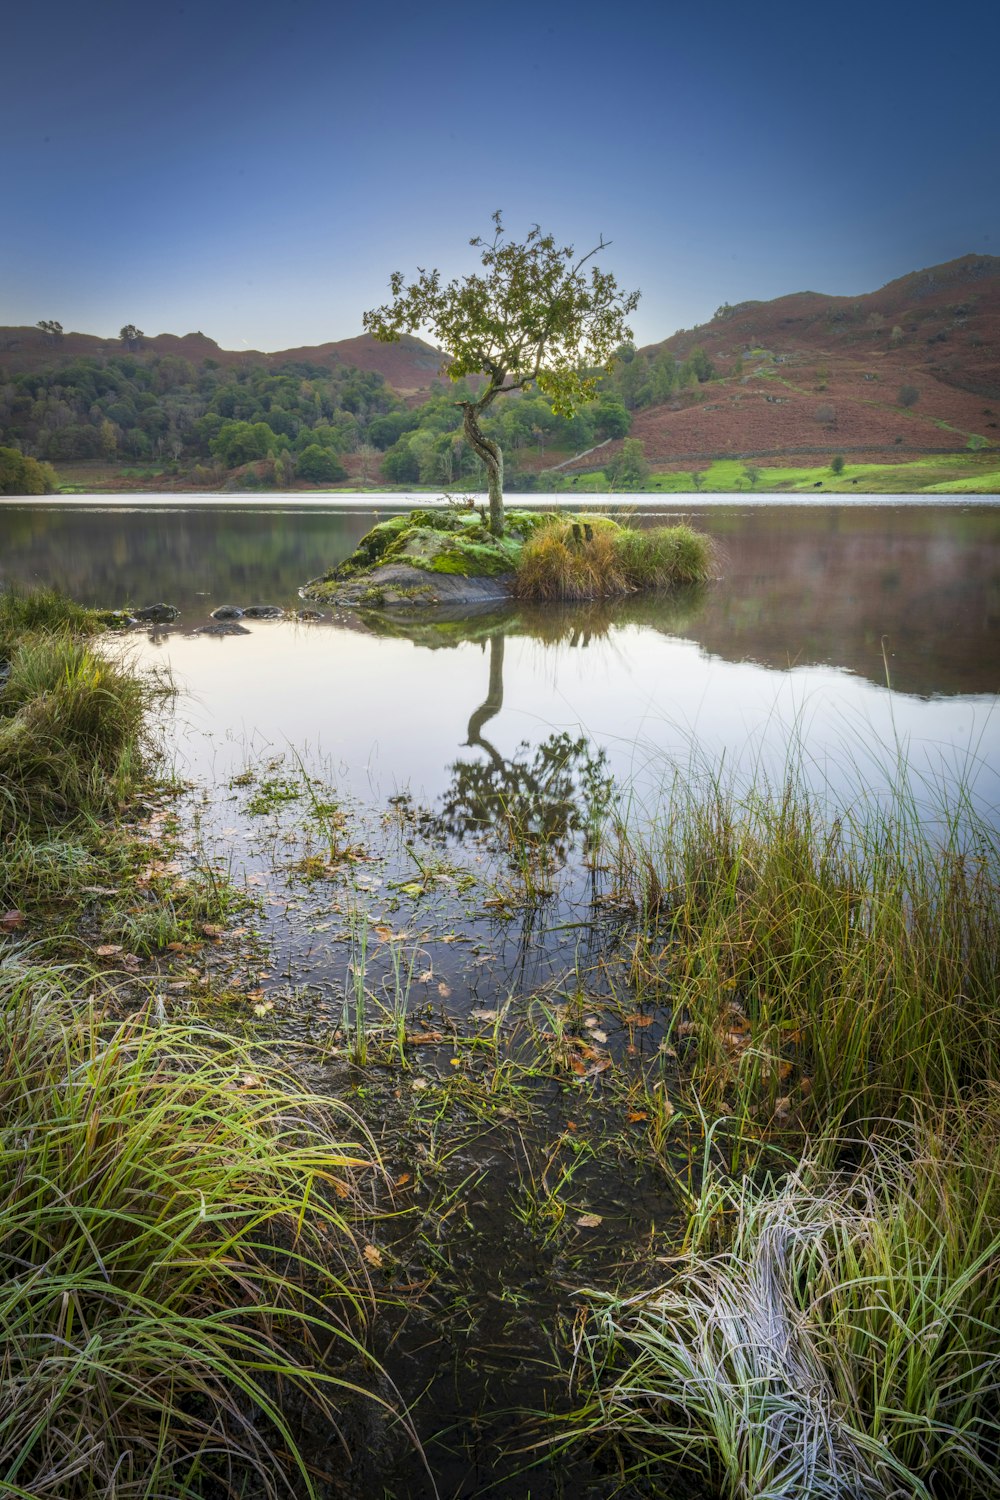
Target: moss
column 373, row 598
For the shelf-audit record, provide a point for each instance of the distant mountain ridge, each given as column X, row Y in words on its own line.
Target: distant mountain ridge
column 960, row 296
column 911, row 368
column 411, row 366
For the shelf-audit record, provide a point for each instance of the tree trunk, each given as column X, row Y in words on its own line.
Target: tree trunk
column 492, row 456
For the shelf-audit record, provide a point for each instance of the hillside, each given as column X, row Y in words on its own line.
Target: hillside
column 807, row 374
column 896, row 376
column 411, row 367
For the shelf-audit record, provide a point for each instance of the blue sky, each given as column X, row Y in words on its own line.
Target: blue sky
column 256, row 172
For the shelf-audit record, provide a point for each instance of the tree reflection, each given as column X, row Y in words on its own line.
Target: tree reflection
column 540, row 798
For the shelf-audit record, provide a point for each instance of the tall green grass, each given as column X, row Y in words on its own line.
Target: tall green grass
column 594, row 558
column 178, row 1261
column 830, row 988
column 71, row 718
column 820, row 972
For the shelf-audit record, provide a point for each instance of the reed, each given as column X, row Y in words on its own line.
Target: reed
column 819, row 973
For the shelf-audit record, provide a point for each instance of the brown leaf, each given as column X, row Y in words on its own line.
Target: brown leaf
column 212, row 929
column 637, row 1020
column 373, row 1256
column 589, row 1221
column 108, row 950
column 12, row 919
column 635, row 1115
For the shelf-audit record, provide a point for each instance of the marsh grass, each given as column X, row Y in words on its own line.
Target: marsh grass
column 177, row 1254
column 594, row 558
column 42, row 611
column 71, row 732
column 819, row 972
column 843, row 1344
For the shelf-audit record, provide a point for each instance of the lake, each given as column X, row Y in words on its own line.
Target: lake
column 862, row 633
column 410, row 809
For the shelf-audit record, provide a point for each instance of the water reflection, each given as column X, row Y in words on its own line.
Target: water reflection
column 912, row 590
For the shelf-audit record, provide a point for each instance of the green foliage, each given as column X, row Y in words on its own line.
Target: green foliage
column 837, row 464
column 629, row 469
column 321, row 465
column 534, row 318
column 908, row 395
column 24, row 476
column 177, row 1261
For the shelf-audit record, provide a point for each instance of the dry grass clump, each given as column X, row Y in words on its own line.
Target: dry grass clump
column 178, row 1267
column 844, row 1344
column 594, row 558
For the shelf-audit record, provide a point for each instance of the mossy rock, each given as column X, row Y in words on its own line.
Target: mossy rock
column 426, row 557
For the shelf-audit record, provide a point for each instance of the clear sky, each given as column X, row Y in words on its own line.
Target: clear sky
column 257, row 171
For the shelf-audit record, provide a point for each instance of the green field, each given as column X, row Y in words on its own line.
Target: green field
column 961, row 473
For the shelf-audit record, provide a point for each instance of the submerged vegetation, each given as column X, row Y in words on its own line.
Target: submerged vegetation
column 714, row 1116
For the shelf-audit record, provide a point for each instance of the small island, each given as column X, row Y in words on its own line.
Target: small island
column 452, row 557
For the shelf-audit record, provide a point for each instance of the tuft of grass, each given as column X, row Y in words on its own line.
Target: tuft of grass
column 178, row 1266
column 594, row 558
column 71, row 732
column 819, row 973
column 842, row 1345
column 42, row 611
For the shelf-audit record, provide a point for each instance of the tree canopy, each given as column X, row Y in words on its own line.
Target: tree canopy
column 537, row 315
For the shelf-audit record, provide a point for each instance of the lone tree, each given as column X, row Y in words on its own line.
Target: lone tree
column 533, row 317
column 131, row 336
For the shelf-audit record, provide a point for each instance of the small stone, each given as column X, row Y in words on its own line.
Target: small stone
column 264, row 612
column 158, row 614
column 309, row 614
column 227, row 612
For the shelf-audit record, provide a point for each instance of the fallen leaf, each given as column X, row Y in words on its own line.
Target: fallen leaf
column 212, row 929
column 634, row 1116
column 264, row 1007
column 99, row 890
column 637, row 1020
column 373, row 1256
column 480, row 1013
column 108, row 950
column 249, row 1081
column 782, row 1107
column 424, row 1038
column 13, row 919
column 176, row 947
column 443, row 990
column 425, row 977
column 420, row 1083
column 589, row 1221
column 598, row 1035
column 402, row 1179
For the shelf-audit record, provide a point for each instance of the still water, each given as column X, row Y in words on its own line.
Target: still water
column 851, row 636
